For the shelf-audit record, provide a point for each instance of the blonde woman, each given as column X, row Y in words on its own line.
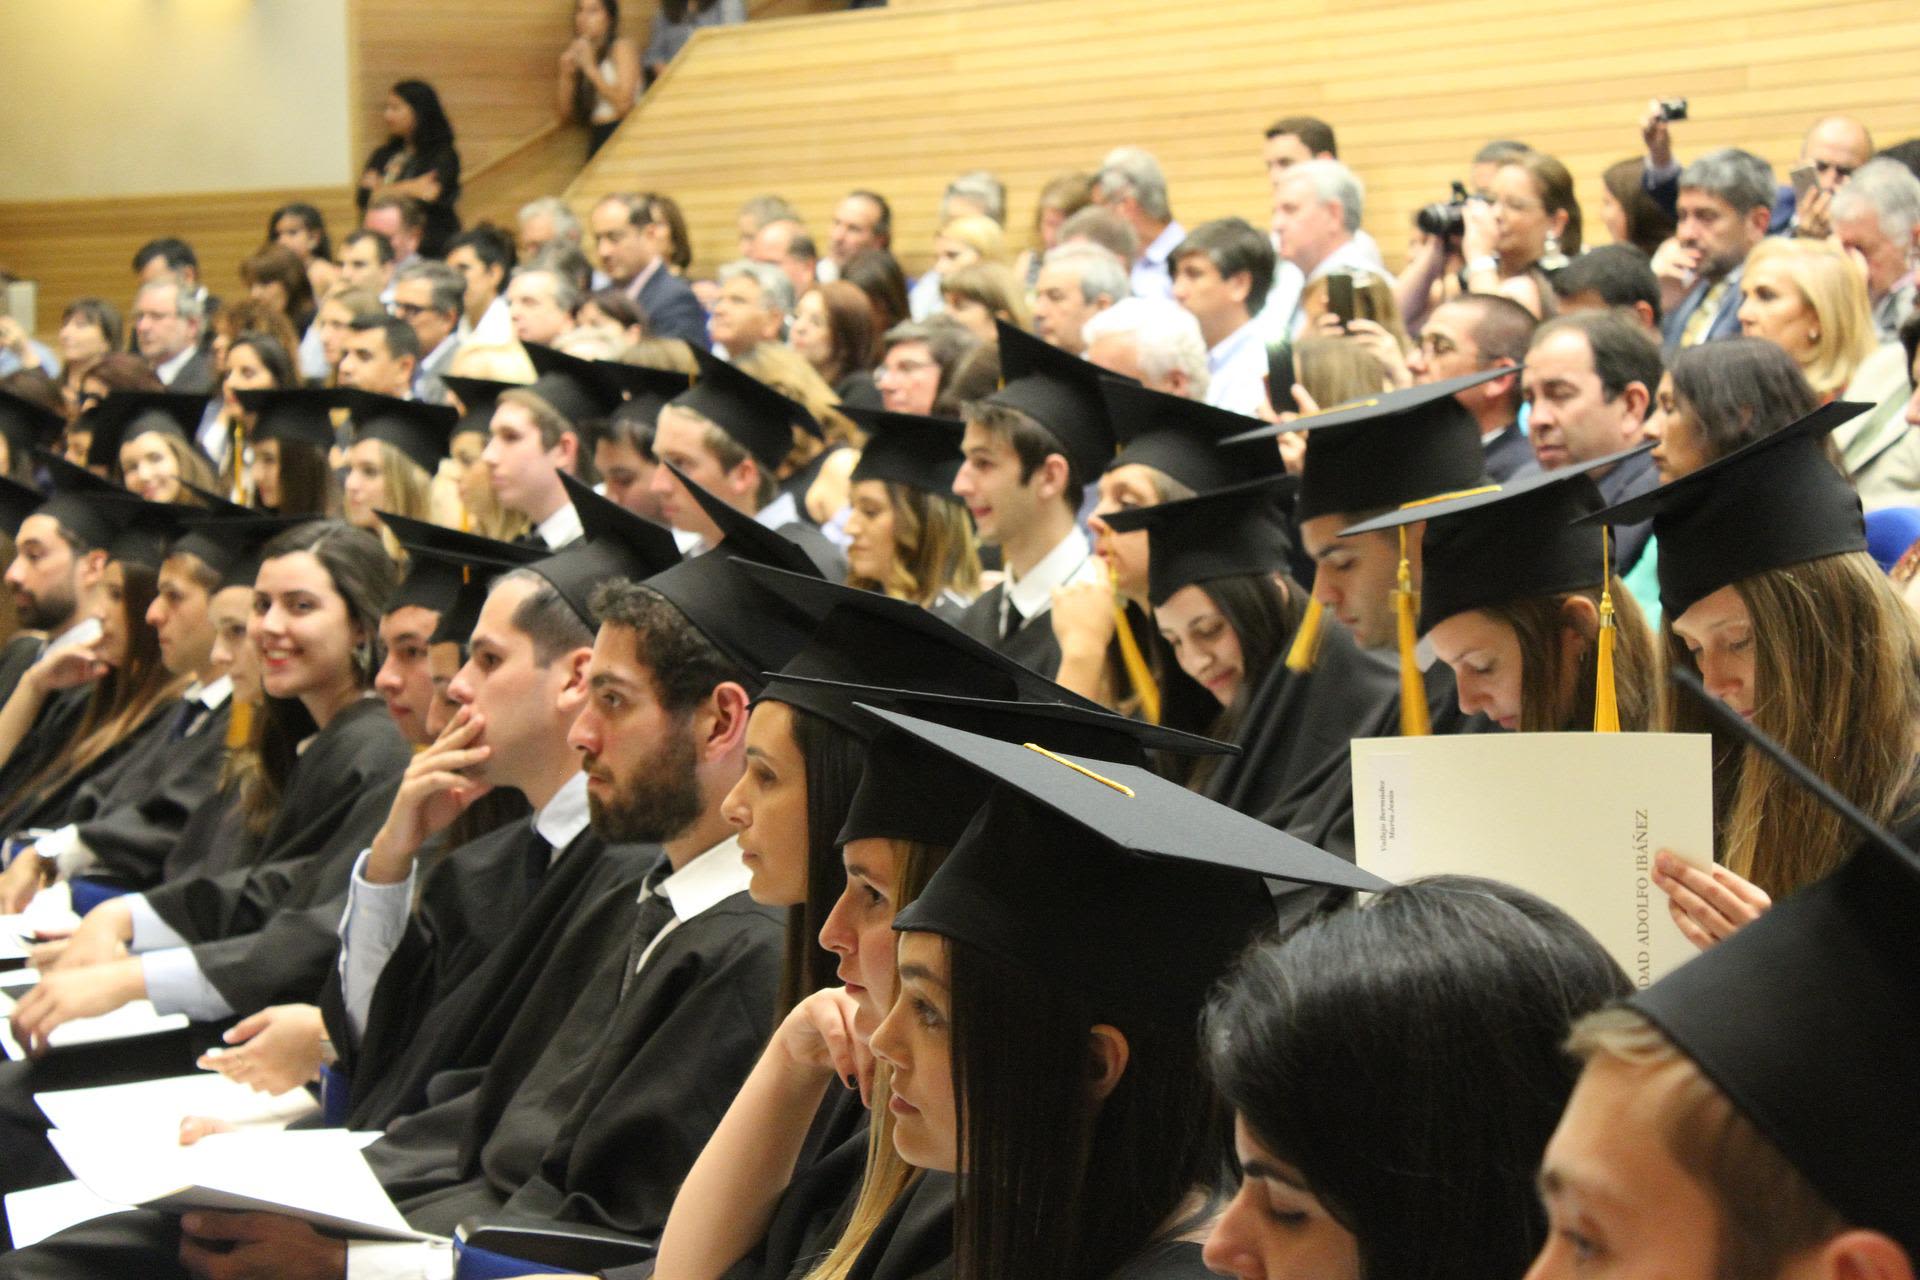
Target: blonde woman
column 397, row 448
column 909, row 537
column 982, row 293
column 1810, row 300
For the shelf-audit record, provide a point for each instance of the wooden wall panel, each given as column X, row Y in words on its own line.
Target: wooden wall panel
column 904, row 98
column 75, row 248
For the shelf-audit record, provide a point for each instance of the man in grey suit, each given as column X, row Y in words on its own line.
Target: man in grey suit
column 167, row 316
column 630, row 256
column 1726, row 202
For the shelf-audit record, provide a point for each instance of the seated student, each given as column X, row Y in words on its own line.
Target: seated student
column 1029, row 451
column 472, row 506
column 1721, row 396
column 59, row 554
column 909, row 537
column 1169, row 450
column 397, row 448
column 1719, row 1121
column 815, row 471
column 623, row 455
column 292, row 433
column 1394, row 1071
column 144, row 440
column 537, row 435
column 730, row 433
column 795, row 1160
column 1361, row 462
column 1527, row 608
column 1769, row 594
column 27, row 423
column 120, row 824
column 1097, row 891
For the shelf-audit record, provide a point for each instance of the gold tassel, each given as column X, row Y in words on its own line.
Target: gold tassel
column 1304, row 652
column 1606, row 705
column 239, row 725
column 1139, row 674
column 1413, row 689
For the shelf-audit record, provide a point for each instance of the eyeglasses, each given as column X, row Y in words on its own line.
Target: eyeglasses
column 1837, row 170
column 409, row 310
column 904, row 369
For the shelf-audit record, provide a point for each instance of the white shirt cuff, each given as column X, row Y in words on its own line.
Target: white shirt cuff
column 370, row 929
column 150, row 932
column 176, row 985
column 399, row 1260
column 67, row 851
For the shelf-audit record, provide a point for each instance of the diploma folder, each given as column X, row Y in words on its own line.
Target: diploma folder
column 1575, row 818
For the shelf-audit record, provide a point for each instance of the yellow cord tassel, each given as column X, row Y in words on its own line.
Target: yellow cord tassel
column 1606, row 705
column 1139, row 674
column 1304, row 652
column 239, row 725
column 1413, row 689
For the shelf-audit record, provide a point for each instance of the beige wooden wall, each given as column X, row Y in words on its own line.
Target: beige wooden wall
column 903, row 99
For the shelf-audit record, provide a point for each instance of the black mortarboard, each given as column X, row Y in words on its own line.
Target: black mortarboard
column 579, row 390
column 1808, row 1019
column 301, row 415
column 1059, row 391
column 73, row 499
column 869, row 637
column 614, row 543
column 452, row 559
column 1388, row 449
column 759, row 419
column 228, row 539
column 17, row 502
column 1107, row 877
column 745, row 536
column 478, row 397
column 1772, row 503
column 906, row 448
column 124, row 415
column 417, row 429
column 908, row 792
column 1226, row 533
column 1183, row 438
column 144, row 528
column 1507, row 542
column 27, row 424
column 641, row 381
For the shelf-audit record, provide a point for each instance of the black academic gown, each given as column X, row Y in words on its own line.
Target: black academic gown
column 215, row 840
column 915, row 1239
column 132, row 815
column 1172, row 1260
column 59, row 716
column 827, row 558
column 1032, row 645
column 50, row 804
column 19, row 653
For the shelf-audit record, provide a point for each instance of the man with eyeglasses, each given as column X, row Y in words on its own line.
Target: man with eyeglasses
column 1482, row 331
column 1724, row 209
column 630, row 256
column 429, row 296
column 166, row 328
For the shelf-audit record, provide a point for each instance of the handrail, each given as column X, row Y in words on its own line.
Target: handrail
column 534, row 139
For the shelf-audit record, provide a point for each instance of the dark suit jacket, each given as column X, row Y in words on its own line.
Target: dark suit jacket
column 1509, row 455
column 195, row 376
column 1726, row 324
column 671, row 309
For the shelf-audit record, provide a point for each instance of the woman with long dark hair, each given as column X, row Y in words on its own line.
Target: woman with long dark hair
column 1395, row 1071
column 302, row 229
column 599, row 71
column 90, row 330
column 291, row 428
column 276, row 278
column 418, row 159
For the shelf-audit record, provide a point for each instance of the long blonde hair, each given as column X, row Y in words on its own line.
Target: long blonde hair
column 934, row 548
column 1836, row 289
column 1837, row 683
column 408, row 488
column 1538, row 621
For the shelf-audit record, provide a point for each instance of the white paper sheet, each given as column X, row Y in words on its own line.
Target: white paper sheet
column 34, row 1215
column 51, row 911
column 135, row 1018
column 316, row 1175
column 154, row 1108
column 1573, row 817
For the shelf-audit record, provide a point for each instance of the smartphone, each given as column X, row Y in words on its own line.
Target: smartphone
column 1280, row 378
column 84, row 632
column 1803, row 178
column 1340, row 297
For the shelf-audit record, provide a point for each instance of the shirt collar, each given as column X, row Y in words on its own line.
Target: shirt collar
column 1165, row 243
column 167, row 369
column 1034, row 592
column 564, row 817
column 560, row 528
column 707, row 881
column 639, row 282
column 1230, row 346
column 780, row 512
column 211, row 696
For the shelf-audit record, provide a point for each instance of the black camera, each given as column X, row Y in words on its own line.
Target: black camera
column 1673, row 109
column 1446, row 220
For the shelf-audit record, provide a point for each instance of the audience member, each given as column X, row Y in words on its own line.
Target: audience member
column 485, row 260
column 1527, row 228
column 833, row 328
column 1471, row 333
column 634, row 265
column 675, row 24
column 541, row 304
column 1630, row 215
column 403, row 221
column 982, row 293
column 338, row 312
column 918, row 361
column 1131, row 185
column 302, row 229
column 862, row 220
column 417, row 161
column 785, row 244
column 1105, row 228
column 430, row 296
column 366, row 262
column 1877, row 215
column 1609, row 277
column 1221, row 273
column 546, row 221
column 1063, row 196
column 1810, row 300
column 599, row 72
column 751, row 307
column 90, row 330
column 277, row 279
column 756, row 213
column 171, row 256
column 961, row 242
column 1154, row 341
column 876, row 273
column 1293, row 140
column 380, row 354
column 1725, row 204
column 1077, row 282
column 613, row 314
column 167, row 325
column 1317, row 207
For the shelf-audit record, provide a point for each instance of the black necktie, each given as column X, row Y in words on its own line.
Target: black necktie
column 538, row 857
column 1013, row 622
column 187, row 719
column 651, row 917
column 531, row 539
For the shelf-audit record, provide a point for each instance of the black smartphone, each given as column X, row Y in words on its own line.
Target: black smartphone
column 1280, row 377
column 1340, row 297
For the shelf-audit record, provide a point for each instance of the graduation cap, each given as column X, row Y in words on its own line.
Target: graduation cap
column 868, row 637
column 478, row 397
column 417, row 429
column 1767, row 505
column 73, row 498
column 1388, row 449
column 144, row 529
column 1808, row 1019
column 1106, row 876
column 579, row 390
column 441, row 561
column 123, row 415
column 908, row 448
column 1184, row 438
column 614, row 543
column 1226, row 533
column 301, row 415
column 759, row 419
column 907, row 790
column 27, row 424
column 743, row 535
column 228, row 539
column 1059, row 391
column 17, row 502
column 641, row 381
